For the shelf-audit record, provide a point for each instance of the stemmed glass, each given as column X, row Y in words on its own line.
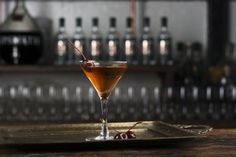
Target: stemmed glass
column 104, row 76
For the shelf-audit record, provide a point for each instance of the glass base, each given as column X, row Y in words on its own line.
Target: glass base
column 100, row 138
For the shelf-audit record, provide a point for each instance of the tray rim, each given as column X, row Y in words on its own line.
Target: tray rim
column 192, row 135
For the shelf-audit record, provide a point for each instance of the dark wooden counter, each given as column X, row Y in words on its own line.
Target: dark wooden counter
column 220, row 142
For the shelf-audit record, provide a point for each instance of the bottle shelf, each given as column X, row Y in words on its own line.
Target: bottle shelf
column 76, row 68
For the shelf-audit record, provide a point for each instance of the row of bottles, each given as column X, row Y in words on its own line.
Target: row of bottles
column 193, row 68
column 146, row 50
column 22, row 42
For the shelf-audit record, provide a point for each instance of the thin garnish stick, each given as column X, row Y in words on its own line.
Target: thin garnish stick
column 134, row 125
column 81, row 53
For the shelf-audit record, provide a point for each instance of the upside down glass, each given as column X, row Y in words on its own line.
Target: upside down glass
column 104, row 76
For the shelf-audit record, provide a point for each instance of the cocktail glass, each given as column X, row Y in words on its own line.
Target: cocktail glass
column 104, row 76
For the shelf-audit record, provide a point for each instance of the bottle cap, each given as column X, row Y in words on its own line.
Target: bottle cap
column 112, row 22
column 129, row 22
column 78, row 22
column 95, row 21
column 146, row 21
column 62, row 22
column 164, row 22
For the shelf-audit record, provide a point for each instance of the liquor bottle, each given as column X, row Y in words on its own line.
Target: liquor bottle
column 130, row 43
column 164, row 43
column 61, row 46
column 79, row 41
column 181, row 57
column 181, row 62
column 147, row 54
column 194, row 68
column 223, row 70
column 21, row 41
column 197, row 64
column 96, row 41
column 228, row 64
column 187, row 67
column 112, row 42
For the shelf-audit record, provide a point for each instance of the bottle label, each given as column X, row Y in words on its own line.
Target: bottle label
column 61, row 48
column 112, row 48
column 129, row 48
column 21, row 39
column 146, row 47
column 95, row 47
column 79, row 46
column 164, row 47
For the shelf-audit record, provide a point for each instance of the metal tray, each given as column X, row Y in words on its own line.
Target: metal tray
column 148, row 132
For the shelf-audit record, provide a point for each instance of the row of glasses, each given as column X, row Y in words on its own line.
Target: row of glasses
column 200, row 103
column 55, row 102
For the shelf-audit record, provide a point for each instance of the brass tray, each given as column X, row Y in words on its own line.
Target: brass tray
column 148, row 132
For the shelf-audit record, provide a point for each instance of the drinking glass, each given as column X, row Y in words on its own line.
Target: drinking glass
column 104, row 76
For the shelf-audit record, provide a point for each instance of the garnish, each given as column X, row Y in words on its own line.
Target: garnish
column 128, row 134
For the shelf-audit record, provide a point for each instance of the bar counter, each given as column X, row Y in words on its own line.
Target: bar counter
column 219, row 142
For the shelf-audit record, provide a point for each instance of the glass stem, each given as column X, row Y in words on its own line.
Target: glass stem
column 104, row 108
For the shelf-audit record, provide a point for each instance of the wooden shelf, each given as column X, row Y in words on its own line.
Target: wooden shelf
column 76, row 68
column 39, row 69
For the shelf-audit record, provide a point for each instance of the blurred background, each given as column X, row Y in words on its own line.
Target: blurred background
column 181, row 60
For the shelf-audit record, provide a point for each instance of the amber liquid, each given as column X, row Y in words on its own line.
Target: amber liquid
column 104, row 78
